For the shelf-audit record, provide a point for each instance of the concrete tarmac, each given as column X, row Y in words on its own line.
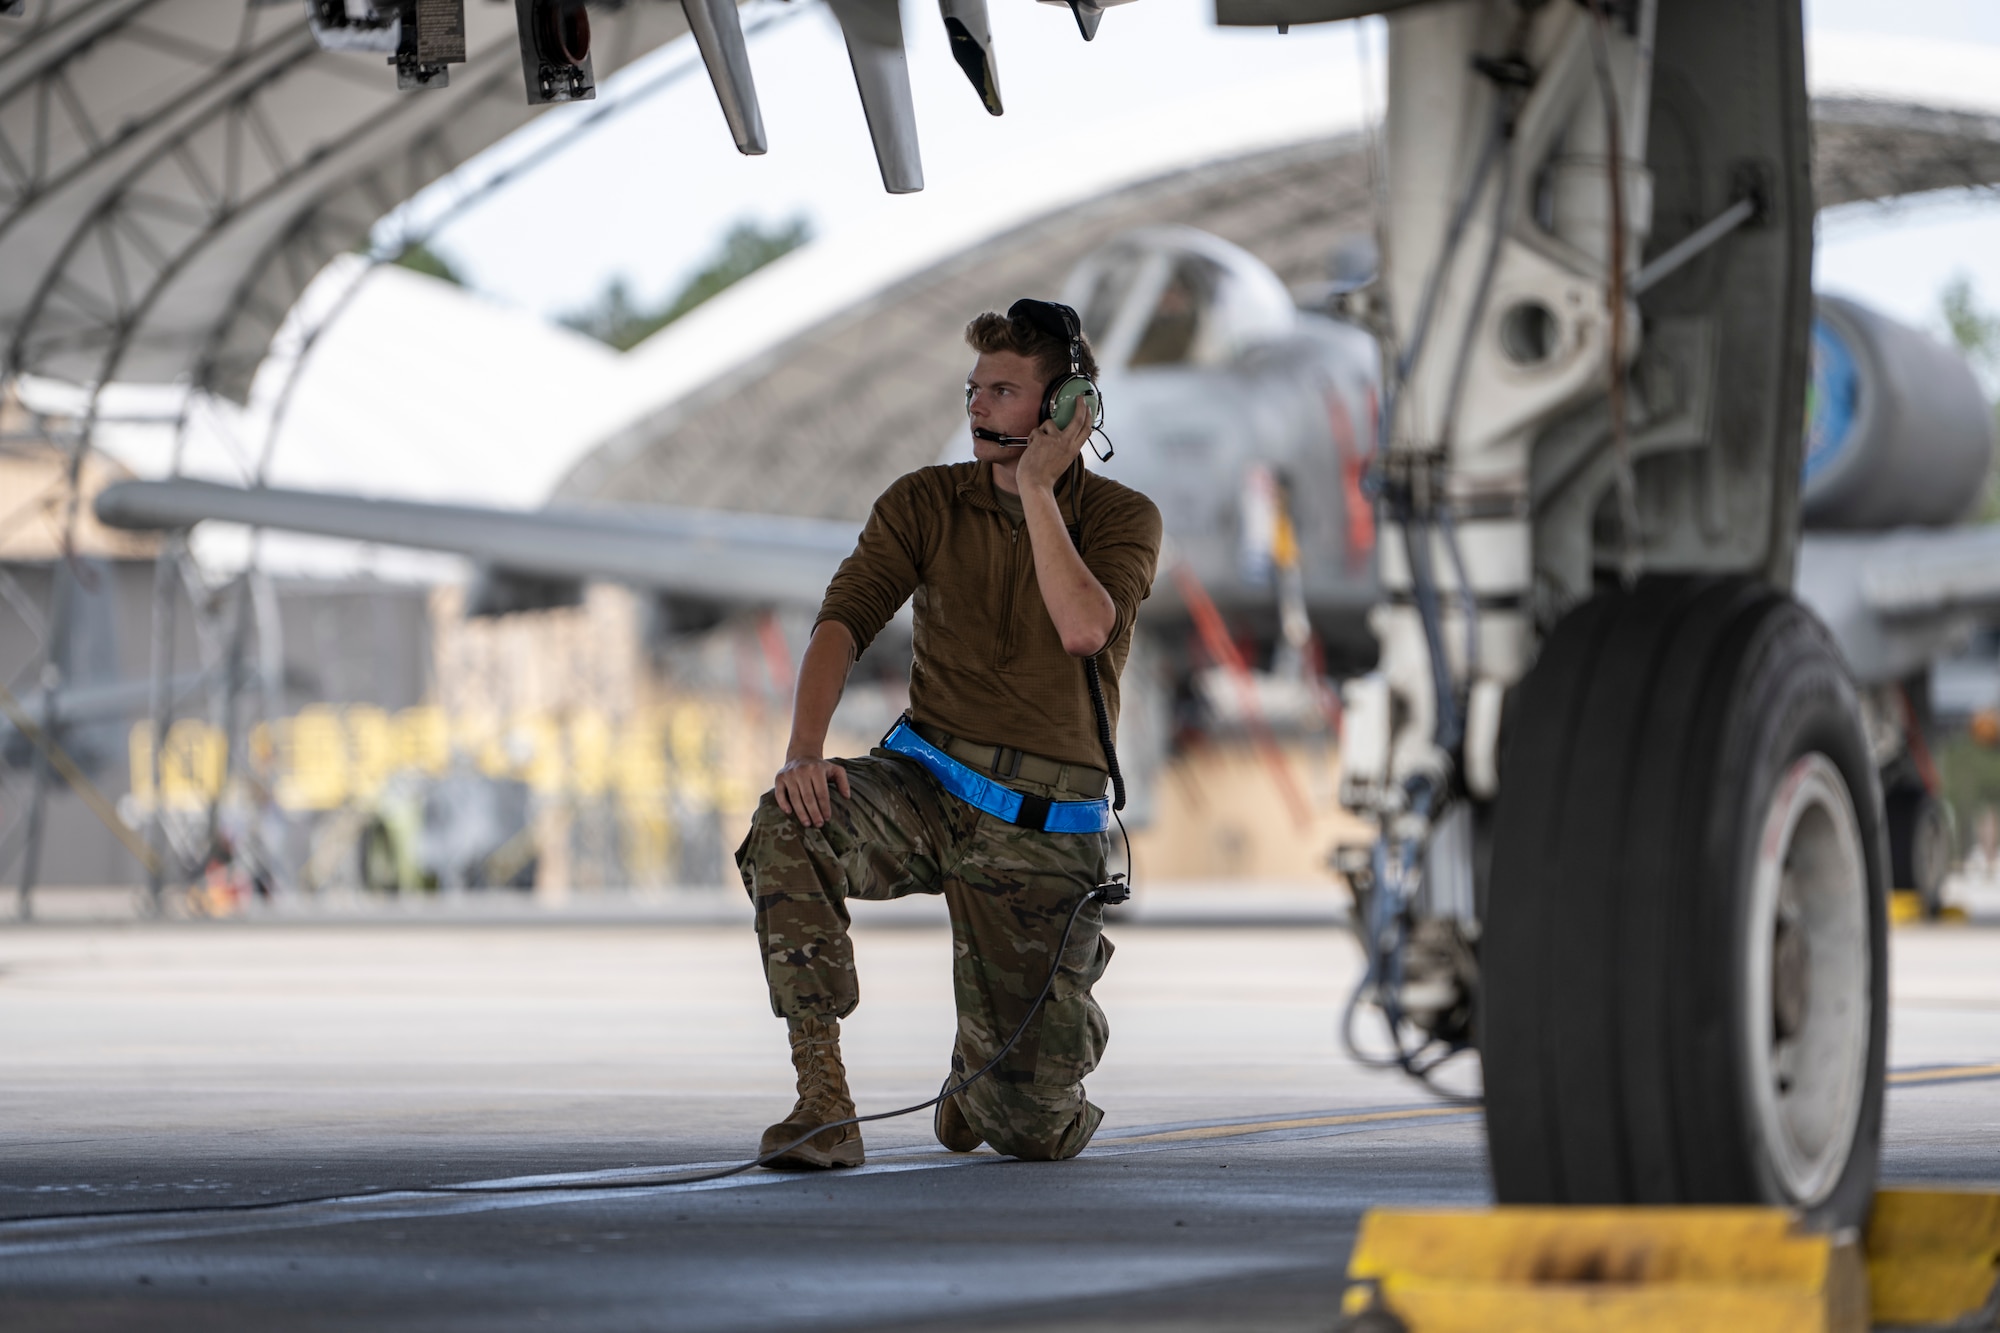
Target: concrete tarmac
column 280, row 1091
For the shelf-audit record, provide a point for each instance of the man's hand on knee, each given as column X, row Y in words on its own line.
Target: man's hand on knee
column 801, row 789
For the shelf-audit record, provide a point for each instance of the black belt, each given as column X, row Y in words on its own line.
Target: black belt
column 1012, row 765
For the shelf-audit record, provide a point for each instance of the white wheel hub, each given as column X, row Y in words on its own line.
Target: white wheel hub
column 1807, row 1015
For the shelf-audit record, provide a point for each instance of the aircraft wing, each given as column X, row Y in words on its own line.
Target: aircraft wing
column 1897, row 600
column 714, row 555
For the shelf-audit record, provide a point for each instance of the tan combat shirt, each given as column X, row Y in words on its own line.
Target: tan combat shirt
column 989, row 665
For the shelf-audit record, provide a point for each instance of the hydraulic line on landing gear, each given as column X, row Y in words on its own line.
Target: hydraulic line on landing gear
column 1395, row 858
column 1386, row 936
column 1411, row 488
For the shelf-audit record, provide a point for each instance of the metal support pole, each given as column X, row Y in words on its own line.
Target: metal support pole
column 268, row 862
column 232, row 682
column 165, row 582
column 38, row 791
column 55, row 662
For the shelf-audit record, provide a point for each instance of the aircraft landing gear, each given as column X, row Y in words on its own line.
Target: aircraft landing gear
column 1920, row 844
column 1685, row 943
column 1589, row 512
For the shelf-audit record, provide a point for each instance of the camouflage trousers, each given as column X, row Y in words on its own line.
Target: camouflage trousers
column 1009, row 891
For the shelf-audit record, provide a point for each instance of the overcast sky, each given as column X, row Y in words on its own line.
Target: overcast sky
column 656, row 187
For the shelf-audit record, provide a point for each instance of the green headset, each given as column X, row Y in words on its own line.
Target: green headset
column 1064, row 392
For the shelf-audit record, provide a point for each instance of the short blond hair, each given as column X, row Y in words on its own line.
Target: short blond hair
column 994, row 332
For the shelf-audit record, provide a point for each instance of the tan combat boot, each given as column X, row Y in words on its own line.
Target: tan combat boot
column 823, row 1098
column 953, row 1130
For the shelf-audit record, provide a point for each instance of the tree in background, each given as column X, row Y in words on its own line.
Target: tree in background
column 1976, row 330
column 1970, row 760
column 420, row 258
column 616, row 318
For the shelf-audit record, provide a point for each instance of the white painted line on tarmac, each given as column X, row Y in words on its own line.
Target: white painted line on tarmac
column 25, row 1237
column 85, row 1231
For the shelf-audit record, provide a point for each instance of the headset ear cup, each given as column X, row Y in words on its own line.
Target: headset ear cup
column 1059, row 404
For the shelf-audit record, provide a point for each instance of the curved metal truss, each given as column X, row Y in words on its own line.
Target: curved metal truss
column 172, row 172
column 1870, row 150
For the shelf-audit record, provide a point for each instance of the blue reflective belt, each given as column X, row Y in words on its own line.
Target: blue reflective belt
column 982, row 793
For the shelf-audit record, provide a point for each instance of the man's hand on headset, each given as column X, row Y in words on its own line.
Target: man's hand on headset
column 1051, row 449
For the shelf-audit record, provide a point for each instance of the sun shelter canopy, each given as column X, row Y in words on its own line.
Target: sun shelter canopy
column 173, row 172
column 820, row 423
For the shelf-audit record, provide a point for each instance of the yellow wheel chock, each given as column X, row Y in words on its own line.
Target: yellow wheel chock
column 1929, row 1259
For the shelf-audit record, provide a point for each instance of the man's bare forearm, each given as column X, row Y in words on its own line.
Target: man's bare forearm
column 1083, row 612
column 822, row 679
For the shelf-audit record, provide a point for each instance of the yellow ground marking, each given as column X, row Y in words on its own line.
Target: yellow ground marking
column 1947, row 1074
column 1190, row 1133
column 1304, row 1122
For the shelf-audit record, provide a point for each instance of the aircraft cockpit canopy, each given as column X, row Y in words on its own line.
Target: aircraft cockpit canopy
column 1174, row 296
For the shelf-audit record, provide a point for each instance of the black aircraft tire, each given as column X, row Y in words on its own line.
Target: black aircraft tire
column 1920, row 845
column 1688, row 852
